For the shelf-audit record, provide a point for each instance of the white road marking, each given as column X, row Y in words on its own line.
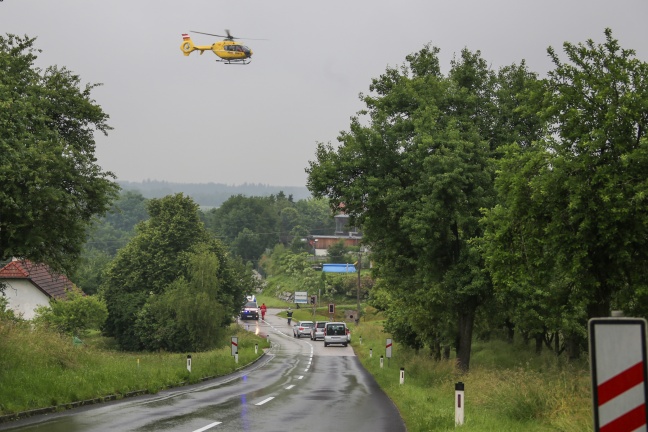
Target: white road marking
column 265, row 401
column 290, row 386
column 300, row 377
column 209, row 426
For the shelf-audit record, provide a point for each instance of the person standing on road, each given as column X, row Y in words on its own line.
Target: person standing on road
column 289, row 314
column 263, row 311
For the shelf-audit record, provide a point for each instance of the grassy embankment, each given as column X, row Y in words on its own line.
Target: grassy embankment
column 508, row 388
column 40, row 369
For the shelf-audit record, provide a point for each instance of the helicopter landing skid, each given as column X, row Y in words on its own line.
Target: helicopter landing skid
column 234, row 62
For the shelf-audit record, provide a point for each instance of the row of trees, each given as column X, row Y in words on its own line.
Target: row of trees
column 499, row 191
column 253, row 225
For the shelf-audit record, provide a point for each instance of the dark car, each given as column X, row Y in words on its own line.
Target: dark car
column 250, row 311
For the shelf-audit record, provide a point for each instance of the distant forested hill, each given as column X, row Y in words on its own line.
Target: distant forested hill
column 211, row 194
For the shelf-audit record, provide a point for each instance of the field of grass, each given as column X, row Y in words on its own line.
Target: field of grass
column 40, row 369
column 508, row 387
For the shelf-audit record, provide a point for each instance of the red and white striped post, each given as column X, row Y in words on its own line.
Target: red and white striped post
column 459, row 404
column 619, row 374
column 235, row 348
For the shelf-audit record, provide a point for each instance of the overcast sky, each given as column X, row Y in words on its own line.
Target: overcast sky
column 193, row 120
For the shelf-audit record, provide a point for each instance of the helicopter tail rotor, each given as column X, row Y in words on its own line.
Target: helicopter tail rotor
column 187, row 46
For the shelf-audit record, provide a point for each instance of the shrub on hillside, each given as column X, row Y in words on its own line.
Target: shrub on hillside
column 73, row 315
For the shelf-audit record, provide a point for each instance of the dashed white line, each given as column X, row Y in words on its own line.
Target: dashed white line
column 209, row 426
column 290, row 386
column 300, row 377
column 265, row 401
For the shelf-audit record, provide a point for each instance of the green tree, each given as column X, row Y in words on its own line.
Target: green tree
column 415, row 180
column 248, row 245
column 315, row 216
column 51, row 184
column 190, row 314
column 256, row 214
column 573, row 217
column 339, row 253
column 89, row 273
column 150, row 262
column 73, row 315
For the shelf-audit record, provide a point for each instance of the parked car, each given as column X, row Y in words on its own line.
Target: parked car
column 336, row 333
column 302, row 328
column 250, row 311
column 317, row 332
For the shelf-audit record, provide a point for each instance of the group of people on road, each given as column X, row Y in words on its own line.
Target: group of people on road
column 264, row 308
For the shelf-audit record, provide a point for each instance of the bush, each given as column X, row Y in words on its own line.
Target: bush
column 74, row 315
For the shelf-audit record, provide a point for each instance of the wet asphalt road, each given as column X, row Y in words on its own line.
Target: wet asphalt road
column 298, row 385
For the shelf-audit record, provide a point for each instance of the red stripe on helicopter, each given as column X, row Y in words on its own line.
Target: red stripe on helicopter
column 185, row 36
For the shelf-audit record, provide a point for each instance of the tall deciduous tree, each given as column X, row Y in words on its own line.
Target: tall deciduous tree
column 193, row 311
column 573, row 221
column 148, row 263
column 416, row 180
column 51, row 183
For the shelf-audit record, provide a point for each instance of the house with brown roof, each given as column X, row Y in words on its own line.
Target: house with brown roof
column 29, row 285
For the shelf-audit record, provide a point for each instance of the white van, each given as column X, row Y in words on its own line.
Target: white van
column 336, row 333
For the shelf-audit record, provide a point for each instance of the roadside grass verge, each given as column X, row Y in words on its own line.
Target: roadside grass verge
column 508, row 388
column 40, row 369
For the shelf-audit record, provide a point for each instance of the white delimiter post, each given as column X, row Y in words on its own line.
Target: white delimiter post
column 459, row 404
column 189, row 362
column 402, row 375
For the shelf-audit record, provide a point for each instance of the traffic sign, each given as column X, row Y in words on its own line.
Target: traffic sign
column 619, row 374
column 388, row 348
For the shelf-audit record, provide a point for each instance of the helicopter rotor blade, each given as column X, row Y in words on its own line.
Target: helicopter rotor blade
column 228, row 37
column 208, row 34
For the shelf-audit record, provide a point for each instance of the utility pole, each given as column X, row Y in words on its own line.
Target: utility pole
column 358, row 293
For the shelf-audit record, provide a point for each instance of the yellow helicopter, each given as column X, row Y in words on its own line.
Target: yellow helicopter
column 227, row 50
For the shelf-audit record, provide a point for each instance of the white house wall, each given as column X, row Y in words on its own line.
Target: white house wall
column 24, row 297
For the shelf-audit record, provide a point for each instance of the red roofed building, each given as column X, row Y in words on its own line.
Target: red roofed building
column 29, row 285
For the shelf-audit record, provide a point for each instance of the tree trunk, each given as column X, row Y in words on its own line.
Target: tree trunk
column 510, row 331
column 539, row 339
column 464, row 343
column 435, row 349
column 446, row 352
column 573, row 346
